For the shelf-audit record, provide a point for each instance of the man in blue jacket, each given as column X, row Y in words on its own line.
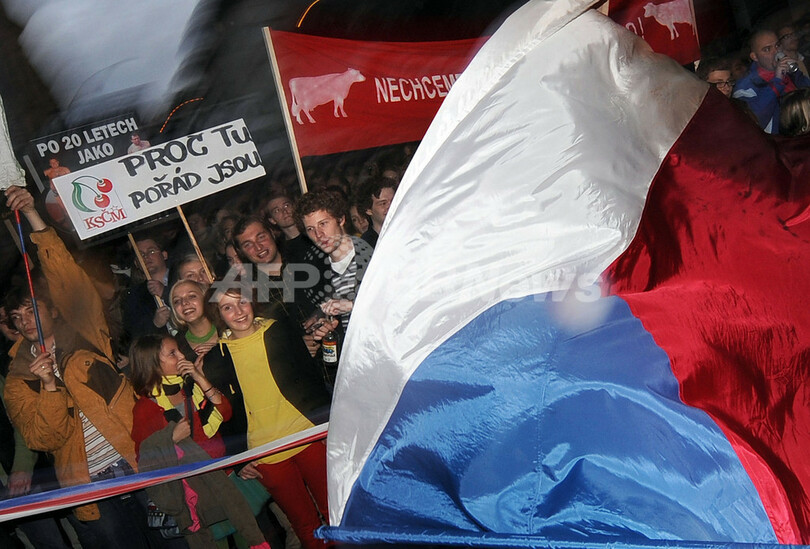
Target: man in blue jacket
column 770, row 77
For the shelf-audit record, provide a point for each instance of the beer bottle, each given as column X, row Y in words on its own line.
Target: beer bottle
column 329, row 355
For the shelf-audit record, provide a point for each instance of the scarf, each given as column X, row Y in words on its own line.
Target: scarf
column 770, row 76
column 210, row 418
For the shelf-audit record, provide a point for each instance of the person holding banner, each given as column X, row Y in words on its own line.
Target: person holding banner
column 66, row 396
column 22, row 471
column 284, row 394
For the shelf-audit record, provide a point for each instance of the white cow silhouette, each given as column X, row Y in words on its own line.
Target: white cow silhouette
column 669, row 13
column 309, row 92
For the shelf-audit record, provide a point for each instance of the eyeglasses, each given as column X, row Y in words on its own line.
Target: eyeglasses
column 724, row 84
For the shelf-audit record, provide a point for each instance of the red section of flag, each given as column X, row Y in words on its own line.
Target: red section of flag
column 668, row 26
column 718, row 275
column 346, row 95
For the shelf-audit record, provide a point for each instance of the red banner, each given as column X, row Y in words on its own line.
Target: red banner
column 346, row 95
column 667, row 26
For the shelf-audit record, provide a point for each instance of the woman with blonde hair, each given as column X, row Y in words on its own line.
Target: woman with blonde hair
column 794, row 115
column 191, row 268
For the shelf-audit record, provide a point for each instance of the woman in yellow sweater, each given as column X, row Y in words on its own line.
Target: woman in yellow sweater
column 284, row 393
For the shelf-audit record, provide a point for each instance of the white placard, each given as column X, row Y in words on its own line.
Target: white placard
column 113, row 194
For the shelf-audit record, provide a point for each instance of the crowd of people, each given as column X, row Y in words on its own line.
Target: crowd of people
column 768, row 79
column 212, row 347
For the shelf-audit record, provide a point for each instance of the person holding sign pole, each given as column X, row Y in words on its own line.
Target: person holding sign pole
column 142, row 315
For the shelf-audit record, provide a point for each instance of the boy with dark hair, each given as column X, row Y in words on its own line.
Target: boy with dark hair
column 22, row 471
column 279, row 213
column 19, row 295
column 280, row 296
column 717, row 72
column 253, row 239
column 330, row 201
column 373, row 199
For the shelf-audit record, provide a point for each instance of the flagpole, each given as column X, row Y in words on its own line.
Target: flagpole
column 194, row 244
column 285, row 111
column 30, row 282
column 11, row 174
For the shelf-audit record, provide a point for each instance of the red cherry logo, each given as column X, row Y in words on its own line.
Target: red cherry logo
column 105, row 186
column 102, row 200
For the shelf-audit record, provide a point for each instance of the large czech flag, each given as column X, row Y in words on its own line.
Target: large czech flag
column 587, row 318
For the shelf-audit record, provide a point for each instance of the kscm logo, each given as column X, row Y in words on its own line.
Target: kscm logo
column 95, row 196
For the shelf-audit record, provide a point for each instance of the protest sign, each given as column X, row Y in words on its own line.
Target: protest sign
column 346, row 95
column 136, row 186
column 87, row 145
column 65, row 152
